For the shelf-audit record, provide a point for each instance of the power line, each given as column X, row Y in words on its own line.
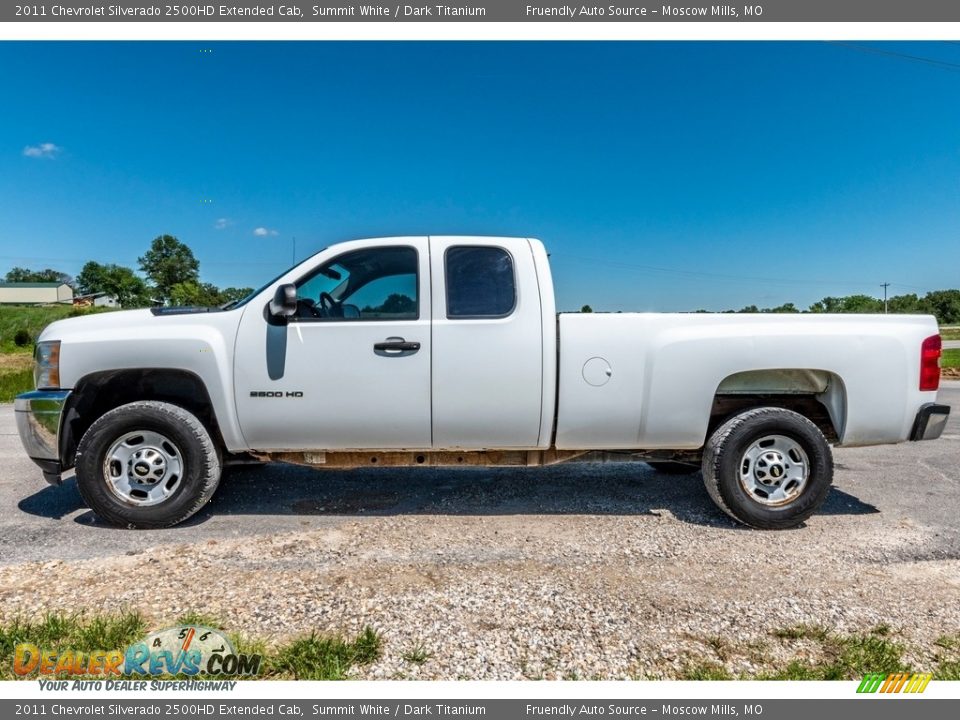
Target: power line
column 720, row 276
column 942, row 64
column 37, row 258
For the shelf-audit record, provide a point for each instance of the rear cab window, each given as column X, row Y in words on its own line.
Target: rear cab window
column 480, row 282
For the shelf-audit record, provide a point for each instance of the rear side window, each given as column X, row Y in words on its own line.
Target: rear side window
column 480, row 282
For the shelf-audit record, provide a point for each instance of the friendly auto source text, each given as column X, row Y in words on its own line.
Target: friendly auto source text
column 615, row 11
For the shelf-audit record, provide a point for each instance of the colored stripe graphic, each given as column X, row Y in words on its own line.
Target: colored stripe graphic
column 894, row 683
column 871, row 682
column 918, row 683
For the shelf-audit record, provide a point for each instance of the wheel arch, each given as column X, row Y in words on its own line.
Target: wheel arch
column 100, row 392
column 818, row 395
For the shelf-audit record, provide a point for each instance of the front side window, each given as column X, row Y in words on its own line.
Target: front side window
column 480, row 282
column 369, row 284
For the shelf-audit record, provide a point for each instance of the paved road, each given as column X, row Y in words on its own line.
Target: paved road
column 918, row 483
column 951, row 344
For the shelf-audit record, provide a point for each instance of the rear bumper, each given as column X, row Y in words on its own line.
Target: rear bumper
column 930, row 422
column 39, row 420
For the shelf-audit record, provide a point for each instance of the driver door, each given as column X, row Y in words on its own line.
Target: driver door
column 351, row 370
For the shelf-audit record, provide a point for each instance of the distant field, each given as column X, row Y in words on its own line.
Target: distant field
column 16, row 373
column 31, row 320
column 950, row 333
column 950, row 359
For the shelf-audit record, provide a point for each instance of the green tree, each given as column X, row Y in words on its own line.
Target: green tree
column 196, row 294
column 23, row 275
column 827, row 305
column 945, row 304
column 862, row 304
column 586, row 309
column 785, row 308
column 848, row 304
column 232, row 294
column 116, row 280
column 909, row 304
column 167, row 263
column 395, row 304
column 749, row 309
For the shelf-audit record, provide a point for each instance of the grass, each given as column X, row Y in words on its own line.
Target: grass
column 818, row 654
column 948, row 657
column 705, row 671
column 318, row 657
column 847, row 657
column 417, row 655
column 830, row 656
column 25, row 323
column 76, row 631
column 801, row 632
column 14, row 382
column 950, row 359
column 951, row 333
column 311, row 657
column 32, row 320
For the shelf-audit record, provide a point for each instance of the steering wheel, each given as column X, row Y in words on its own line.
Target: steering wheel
column 329, row 306
column 307, row 308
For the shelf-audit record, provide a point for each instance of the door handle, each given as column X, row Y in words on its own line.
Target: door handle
column 396, row 347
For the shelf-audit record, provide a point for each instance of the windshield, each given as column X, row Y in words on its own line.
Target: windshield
column 233, row 304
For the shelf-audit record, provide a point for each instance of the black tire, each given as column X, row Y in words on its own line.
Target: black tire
column 724, row 456
column 199, row 459
column 673, row 468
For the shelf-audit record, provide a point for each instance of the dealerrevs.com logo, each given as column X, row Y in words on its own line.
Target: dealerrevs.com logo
column 186, row 650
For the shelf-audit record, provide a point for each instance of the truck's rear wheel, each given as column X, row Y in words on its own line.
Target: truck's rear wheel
column 147, row 465
column 769, row 468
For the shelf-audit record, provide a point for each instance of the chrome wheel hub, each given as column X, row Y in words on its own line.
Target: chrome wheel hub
column 143, row 467
column 774, row 470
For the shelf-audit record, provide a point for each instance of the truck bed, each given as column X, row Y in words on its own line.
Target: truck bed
column 649, row 380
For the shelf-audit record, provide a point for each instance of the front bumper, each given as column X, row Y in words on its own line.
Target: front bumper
column 39, row 421
column 930, row 422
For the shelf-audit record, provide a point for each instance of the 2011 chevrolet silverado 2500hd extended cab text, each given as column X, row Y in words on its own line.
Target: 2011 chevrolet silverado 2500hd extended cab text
column 448, row 351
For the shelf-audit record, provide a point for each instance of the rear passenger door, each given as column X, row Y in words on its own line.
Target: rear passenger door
column 487, row 344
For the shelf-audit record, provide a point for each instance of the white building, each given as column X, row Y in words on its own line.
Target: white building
column 35, row 293
column 100, row 299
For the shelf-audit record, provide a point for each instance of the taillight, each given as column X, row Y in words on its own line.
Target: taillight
column 930, row 363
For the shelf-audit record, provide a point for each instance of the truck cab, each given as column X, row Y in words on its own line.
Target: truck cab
column 415, row 342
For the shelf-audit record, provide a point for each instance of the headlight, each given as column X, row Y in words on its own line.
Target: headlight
column 46, row 365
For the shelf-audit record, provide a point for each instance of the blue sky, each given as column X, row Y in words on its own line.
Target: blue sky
column 661, row 176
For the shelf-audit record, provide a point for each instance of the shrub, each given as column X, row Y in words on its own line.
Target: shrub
column 21, row 338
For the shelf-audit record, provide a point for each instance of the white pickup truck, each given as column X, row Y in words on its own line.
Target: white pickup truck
column 448, row 351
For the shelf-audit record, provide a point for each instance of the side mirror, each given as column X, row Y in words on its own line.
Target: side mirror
column 284, row 303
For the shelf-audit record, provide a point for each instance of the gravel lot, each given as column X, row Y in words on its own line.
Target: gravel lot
column 573, row 571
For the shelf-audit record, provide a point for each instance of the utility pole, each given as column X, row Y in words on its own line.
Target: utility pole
column 885, row 286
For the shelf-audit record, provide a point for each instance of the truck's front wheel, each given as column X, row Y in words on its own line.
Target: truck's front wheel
column 147, row 465
column 769, row 468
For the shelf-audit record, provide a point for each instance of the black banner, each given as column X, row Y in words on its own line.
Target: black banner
column 873, row 707
column 894, row 11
